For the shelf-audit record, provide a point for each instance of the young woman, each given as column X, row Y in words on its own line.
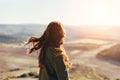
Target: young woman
column 53, row 61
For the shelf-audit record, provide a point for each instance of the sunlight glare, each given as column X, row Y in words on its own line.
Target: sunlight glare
column 101, row 12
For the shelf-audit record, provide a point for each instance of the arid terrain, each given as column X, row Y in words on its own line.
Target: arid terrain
column 92, row 58
column 16, row 65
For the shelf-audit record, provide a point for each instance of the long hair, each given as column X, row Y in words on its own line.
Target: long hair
column 52, row 36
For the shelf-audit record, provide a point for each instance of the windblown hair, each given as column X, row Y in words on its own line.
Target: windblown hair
column 53, row 36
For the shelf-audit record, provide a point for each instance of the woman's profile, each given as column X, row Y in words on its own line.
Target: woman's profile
column 53, row 60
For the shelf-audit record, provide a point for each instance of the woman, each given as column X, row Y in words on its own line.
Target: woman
column 53, row 61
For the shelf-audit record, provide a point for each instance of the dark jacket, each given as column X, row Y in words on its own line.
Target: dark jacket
column 54, row 66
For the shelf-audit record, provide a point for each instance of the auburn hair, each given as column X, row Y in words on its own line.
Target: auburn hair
column 52, row 36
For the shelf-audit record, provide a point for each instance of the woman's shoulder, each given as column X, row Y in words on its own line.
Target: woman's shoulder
column 55, row 50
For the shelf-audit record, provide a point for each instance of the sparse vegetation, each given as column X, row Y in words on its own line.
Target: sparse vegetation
column 78, row 72
column 30, row 74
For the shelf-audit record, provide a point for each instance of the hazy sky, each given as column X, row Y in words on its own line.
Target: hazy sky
column 70, row 12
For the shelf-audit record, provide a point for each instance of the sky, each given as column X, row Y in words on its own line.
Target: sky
column 69, row 12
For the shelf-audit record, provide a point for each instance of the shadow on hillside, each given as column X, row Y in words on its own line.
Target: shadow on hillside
column 106, row 59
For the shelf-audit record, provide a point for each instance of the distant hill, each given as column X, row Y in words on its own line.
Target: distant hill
column 21, row 29
column 112, row 53
column 72, row 33
column 17, row 32
column 11, row 39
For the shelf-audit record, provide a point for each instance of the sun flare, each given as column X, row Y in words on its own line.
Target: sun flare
column 101, row 13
